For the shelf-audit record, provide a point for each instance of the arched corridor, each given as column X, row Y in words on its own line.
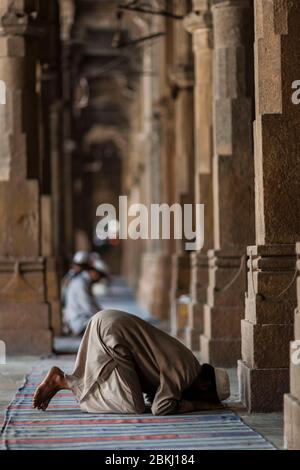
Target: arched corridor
column 165, row 102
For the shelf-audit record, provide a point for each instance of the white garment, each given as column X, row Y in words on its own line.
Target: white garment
column 81, row 304
column 65, row 284
column 121, row 357
column 111, row 396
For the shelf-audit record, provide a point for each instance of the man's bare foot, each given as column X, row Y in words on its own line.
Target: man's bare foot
column 53, row 383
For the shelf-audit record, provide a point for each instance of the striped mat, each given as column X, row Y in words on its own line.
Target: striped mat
column 64, row 426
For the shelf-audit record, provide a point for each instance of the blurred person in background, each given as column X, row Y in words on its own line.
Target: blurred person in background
column 100, row 288
column 94, row 256
column 81, row 303
column 80, row 263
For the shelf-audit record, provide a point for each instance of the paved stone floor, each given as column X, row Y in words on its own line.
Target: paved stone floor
column 269, row 425
column 12, row 375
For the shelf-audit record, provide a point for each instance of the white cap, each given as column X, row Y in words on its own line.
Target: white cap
column 81, row 257
column 100, row 266
column 94, row 256
column 222, row 383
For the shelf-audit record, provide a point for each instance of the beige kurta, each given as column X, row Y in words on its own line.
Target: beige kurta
column 121, row 357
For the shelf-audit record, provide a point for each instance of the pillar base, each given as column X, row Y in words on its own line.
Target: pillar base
column 265, row 346
column 292, row 400
column 24, row 327
column 268, row 327
column 291, row 423
column 25, row 341
column 220, row 343
column 220, row 352
column 53, row 295
column 24, row 312
column 262, row 390
column 195, row 326
column 198, row 288
column 180, row 285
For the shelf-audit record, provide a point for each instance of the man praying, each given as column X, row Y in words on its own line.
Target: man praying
column 122, row 357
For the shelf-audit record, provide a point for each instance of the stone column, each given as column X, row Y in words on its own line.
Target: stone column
column 67, row 12
column 24, row 311
column 154, row 284
column 199, row 24
column 292, row 400
column 181, row 75
column 233, row 181
column 271, row 298
column 51, row 154
column 183, row 81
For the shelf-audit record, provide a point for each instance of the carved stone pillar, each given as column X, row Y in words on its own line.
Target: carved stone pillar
column 67, row 12
column 233, row 188
column 155, row 280
column 199, row 24
column 155, row 277
column 292, row 400
column 271, row 298
column 183, row 81
column 24, row 311
column 51, row 154
column 181, row 75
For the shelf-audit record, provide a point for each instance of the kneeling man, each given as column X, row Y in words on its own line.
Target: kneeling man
column 122, row 357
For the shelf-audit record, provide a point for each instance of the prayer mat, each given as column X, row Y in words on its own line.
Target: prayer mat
column 64, row 427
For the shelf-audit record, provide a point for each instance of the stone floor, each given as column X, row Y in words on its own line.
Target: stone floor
column 12, row 375
column 269, row 425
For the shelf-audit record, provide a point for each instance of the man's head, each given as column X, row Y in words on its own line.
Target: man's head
column 80, row 261
column 94, row 256
column 98, row 271
column 212, row 385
